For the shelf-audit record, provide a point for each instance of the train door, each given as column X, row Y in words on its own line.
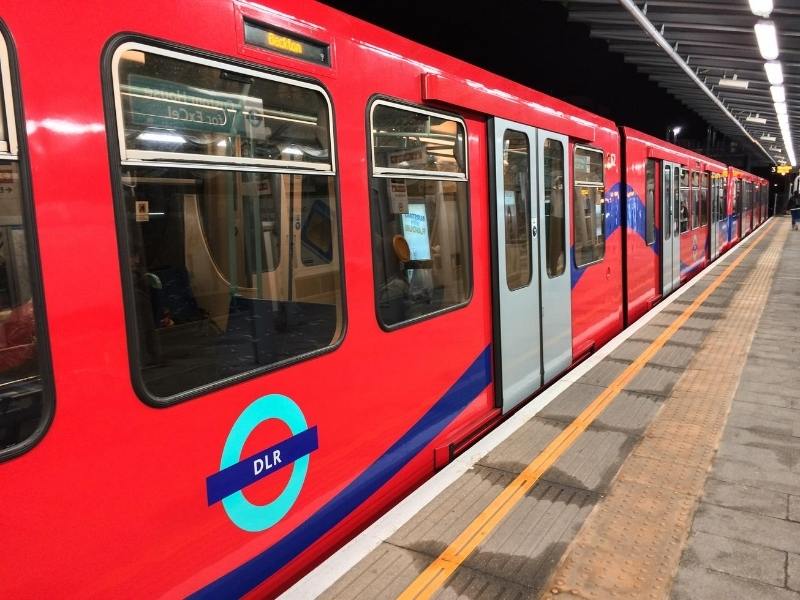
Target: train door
column 713, row 237
column 670, row 211
column 555, row 276
column 529, row 228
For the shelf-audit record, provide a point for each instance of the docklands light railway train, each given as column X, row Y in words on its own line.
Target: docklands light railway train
column 264, row 268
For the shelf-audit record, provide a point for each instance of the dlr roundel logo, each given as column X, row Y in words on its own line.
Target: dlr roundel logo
column 236, row 473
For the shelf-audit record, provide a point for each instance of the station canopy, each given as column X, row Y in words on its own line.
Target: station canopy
column 710, row 48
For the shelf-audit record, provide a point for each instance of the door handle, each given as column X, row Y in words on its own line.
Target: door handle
column 533, row 230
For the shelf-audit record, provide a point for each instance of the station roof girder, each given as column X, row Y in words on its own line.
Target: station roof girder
column 715, row 38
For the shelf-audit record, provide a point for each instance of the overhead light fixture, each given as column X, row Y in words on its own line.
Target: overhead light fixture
column 778, row 93
column 761, row 8
column 734, row 82
column 165, row 137
column 767, row 39
column 774, row 71
column 780, row 108
column 676, row 130
column 757, row 119
column 768, row 138
column 776, row 149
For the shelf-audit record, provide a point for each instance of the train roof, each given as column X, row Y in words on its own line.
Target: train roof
column 663, row 149
column 446, row 78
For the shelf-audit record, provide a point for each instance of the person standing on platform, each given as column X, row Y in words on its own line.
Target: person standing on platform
column 794, row 208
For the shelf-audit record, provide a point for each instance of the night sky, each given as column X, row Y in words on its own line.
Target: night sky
column 533, row 43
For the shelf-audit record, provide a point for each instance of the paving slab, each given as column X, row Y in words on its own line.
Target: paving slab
column 794, row 508
column 741, row 559
column 590, row 463
column 697, row 583
column 529, row 542
column 629, row 413
column 748, row 527
column 793, row 572
column 443, row 519
column 742, row 497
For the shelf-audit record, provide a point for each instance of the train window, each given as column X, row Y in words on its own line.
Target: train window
column 676, row 199
column 171, row 109
column 25, row 399
column 4, row 145
column 723, row 199
column 589, row 206
column 695, row 217
column 420, row 212
column 554, row 207
column 516, row 181
column 233, row 268
column 704, row 191
column 684, row 201
column 413, row 141
column 737, row 197
column 748, row 195
column 650, row 201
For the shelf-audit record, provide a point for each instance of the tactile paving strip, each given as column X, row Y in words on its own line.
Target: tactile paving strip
column 631, row 544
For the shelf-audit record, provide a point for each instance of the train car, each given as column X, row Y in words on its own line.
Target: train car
column 309, row 262
column 264, row 270
column 675, row 217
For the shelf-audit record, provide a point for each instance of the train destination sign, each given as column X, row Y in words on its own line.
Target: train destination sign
column 286, row 43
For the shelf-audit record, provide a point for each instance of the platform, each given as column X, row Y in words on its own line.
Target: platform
column 668, row 465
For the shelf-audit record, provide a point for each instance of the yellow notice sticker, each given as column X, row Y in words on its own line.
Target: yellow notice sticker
column 142, row 211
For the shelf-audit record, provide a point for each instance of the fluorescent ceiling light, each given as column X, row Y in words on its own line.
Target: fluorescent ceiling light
column 734, row 82
column 780, row 108
column 767, row 39
column 761, row 8
column 768, row 138
column 756, row 119
column 774, row 71
column 166, row 137
column 778, row 93
column 776, row 149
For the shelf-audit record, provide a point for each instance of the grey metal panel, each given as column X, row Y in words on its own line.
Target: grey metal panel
column 676, row 235
column 519, row 314
column 556, row 291
column 666, row 228
column 713, row 226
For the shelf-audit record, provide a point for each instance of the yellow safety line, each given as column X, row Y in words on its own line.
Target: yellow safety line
column 432, row 578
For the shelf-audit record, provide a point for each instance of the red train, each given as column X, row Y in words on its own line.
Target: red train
column 307, row 263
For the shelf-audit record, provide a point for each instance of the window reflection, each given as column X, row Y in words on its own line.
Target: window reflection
column 684, row 201
column 589, row 206
column 420, row 226
column 554, row 207
column 650, row 201
column 21, row 402
column 516, row 208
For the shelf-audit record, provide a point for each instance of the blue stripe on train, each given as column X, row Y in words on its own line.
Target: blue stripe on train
column 637, row 222
column 259, row 568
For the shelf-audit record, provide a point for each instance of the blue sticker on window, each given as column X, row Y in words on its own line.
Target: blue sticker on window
column 237, row 473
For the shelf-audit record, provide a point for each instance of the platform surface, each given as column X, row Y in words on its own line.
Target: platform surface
column 669, row 469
